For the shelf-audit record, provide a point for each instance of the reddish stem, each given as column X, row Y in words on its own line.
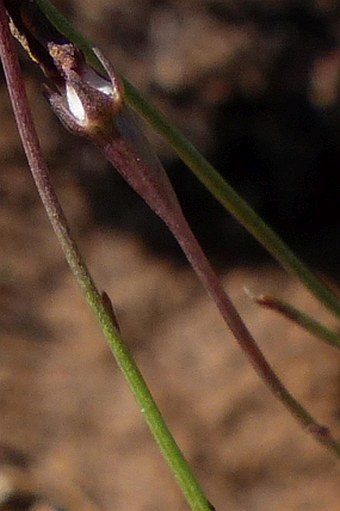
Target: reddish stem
column 156, row 190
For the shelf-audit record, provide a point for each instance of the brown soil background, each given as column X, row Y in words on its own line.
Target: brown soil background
column 64, row 405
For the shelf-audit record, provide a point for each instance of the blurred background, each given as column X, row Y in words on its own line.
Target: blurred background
column 255, row 84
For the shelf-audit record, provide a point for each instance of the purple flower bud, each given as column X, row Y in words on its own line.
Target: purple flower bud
column 86, row 102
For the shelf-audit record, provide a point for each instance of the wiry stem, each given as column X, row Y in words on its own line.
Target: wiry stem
column 156, row 191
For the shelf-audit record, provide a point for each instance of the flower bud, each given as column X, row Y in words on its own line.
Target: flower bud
column 85, row 102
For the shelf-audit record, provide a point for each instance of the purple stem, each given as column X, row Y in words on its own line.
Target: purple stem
column 156, row 190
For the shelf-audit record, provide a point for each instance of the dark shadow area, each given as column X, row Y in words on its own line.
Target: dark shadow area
column 275, row 143
column 280, row 155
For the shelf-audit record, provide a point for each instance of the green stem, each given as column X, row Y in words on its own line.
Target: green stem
column 300, row 318
column 175, row 459
column 207, row 174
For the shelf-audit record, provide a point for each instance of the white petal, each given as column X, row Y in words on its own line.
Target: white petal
column 97, row 82
column 74, row 104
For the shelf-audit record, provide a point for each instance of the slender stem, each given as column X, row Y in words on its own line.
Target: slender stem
column 207, row 174
column 155, row 191
column 300, row 318
column 175, row 459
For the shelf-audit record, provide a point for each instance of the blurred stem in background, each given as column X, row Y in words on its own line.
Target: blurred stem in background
column 296, row 316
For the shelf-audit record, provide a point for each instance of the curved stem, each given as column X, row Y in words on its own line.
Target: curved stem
column 175, row 459
column 156, row 190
